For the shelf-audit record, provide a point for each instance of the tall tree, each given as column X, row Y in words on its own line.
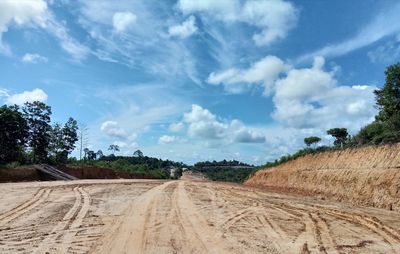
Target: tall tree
column 340, row 135
column 311, row 140
column 70, row 135
column 138, row 153
column 13, row 133
column 113, row 148
column 38, row 115
column 63, row 140
column 388, row 98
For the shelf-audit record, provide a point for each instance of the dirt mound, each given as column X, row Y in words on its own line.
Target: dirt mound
column 19, row 175
column 366, row 176
column 89, row 172
column 31, row 174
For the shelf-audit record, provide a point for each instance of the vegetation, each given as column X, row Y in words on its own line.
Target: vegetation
column 138, row 163
column 311, row 140
column 26, row 135
column 228, row 171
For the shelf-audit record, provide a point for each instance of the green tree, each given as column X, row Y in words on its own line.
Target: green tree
column 138, row 153
column 388, row 98
column 13, row 133
column 311, row 140
column 99, row 154
column 340, row 135
column 63, row 140
column 113, row 148
column 37, row 115
column 70, row 135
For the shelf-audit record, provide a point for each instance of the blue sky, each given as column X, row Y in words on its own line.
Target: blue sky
column 200, row 80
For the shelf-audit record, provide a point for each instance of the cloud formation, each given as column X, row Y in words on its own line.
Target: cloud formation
column 36, row 13
column 33, row 58
column 26, row 96
column 166, row 139
column 123, row 20
column 112, row 128
column 205, row 125
column 263, row 72
column 303, row 98
column 273, row 17
column 184, row 30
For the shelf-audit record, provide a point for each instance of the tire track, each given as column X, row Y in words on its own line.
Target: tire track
column 196, row 225
column 389, row 235
column 59, row 239
column 25, row 207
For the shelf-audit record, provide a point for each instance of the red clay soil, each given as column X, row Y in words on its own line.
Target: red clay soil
column 19, row 175
column 100, row 173
column 30, row 174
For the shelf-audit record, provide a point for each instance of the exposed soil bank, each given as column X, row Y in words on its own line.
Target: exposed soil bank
column 367, row 176
column 100, row 173
column 31, row 174
column 19, row 175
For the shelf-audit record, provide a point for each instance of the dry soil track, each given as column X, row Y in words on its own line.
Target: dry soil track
column 145, row 216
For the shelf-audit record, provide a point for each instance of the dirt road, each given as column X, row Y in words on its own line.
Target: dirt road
column 144, row 216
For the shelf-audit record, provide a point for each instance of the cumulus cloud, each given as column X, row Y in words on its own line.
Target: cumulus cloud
column 112, row 128
column 33, row 58
column 176, row 127
column 165, row 139
column 312, row 97
column 242, row 134
column 303, row 98
column 273, row 17
column 263, row 72
column 123, row 20
column 26, row 96
column 205, row 125
column 184, row 30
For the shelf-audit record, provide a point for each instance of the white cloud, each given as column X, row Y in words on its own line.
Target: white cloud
column 243, row 134
column 263, row 72
column 205, row 125
column 273, row 17
column 36, row 13
column 386, row 23
column 20, row 13
column 176, row 127
column 26, row 96
column 184, row 30
column 165, row 139
column 112, row 128
column 123, row 20
column 303, row 98
column 33, row 58
column 312, row 98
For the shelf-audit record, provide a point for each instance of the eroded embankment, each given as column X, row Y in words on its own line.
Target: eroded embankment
column 367, row 176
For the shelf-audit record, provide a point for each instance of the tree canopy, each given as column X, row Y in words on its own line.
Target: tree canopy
column 311, row 140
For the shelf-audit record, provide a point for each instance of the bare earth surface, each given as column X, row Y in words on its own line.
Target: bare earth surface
column 147, row 216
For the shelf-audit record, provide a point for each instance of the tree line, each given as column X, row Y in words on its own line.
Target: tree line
column 27, row 136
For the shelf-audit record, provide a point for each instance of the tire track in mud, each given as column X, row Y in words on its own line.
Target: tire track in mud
column 38, row 198
column 59, row 239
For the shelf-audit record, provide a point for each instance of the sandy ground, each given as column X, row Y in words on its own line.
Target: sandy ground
column 149, row 216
